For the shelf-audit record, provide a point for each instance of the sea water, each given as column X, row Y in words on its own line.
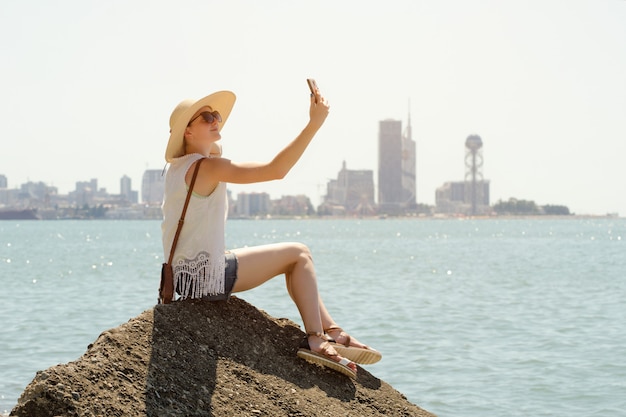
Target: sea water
column 487, row 317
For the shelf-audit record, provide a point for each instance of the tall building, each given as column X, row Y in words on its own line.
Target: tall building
column 125, row 186
column 409, row 165
column 85, row 192
column 3, row 181
column 126, row 191
column 152, row 186
column 396, row 167
column 253, row 204
column 353, row 190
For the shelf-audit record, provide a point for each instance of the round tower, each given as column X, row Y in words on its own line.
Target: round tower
column 473, row 167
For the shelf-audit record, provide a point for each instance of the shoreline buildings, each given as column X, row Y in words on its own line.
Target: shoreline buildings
column 351, row 193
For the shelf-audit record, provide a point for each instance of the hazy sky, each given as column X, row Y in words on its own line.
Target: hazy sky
column 87, row 88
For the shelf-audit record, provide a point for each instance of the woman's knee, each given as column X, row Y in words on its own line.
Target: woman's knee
column 299, row 256
column 302, row 251
column 302, row 248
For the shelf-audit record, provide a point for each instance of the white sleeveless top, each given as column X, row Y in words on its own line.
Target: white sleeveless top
column 199, row 257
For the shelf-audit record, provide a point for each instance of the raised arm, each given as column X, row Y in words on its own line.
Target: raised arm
column 224, row 170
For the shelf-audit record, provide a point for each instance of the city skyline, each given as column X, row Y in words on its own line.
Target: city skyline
column 401, row 183
column 88, row 89
column 396, row 170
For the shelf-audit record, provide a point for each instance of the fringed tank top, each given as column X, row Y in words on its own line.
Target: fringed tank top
column 199, row 257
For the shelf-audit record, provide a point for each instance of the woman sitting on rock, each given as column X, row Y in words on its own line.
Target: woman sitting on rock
column 202, row 268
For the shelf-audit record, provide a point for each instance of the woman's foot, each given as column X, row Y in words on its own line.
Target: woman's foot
column 316, row 348
column 351, row 348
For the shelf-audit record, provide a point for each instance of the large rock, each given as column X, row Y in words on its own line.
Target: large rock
column 198, row 358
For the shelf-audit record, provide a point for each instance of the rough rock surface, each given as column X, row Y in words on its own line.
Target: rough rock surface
column 197, row 358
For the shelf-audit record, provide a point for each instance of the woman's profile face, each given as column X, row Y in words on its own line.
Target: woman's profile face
column 202, row 131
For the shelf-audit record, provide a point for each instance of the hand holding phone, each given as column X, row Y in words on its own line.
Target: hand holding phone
column 313, row 87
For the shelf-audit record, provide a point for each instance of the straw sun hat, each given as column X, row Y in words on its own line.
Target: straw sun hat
column 222, row 101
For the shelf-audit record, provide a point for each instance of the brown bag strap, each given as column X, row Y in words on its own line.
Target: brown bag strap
column 182, row 216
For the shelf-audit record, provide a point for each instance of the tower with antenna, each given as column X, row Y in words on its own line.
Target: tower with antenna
column 409, row 164
column 474, row 170
column 396, row 167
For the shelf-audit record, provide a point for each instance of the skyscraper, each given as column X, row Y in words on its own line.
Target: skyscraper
column 125, row 187
column 152, row 186
column 126, row 191
column 409, row 165
column 396, row 167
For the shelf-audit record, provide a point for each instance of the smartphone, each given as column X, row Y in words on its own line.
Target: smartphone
column 312, row 86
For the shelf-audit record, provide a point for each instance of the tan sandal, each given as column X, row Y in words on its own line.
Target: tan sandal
column 361, row 355
column 324, row 358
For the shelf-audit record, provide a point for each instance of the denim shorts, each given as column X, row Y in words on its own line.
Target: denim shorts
column 230, row 274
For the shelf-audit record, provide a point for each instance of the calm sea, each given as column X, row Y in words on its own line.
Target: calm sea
column 474, row 317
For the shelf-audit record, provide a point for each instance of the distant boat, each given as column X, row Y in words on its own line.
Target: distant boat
column 26, row 214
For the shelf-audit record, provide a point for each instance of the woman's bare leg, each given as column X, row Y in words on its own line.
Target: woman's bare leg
column 259, row 264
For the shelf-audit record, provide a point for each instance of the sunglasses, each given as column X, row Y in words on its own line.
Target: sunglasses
column 208, row 116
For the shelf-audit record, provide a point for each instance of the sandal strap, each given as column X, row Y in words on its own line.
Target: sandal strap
column 321, row 335
column 333, row 328
column 324, row 347
column 346, row 335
